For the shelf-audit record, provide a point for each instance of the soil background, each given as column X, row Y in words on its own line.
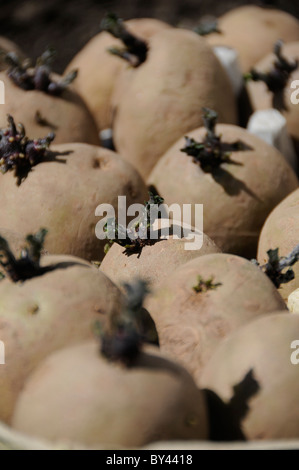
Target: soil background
column 67, row 25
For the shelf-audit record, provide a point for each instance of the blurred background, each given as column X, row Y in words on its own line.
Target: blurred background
column 67, row 25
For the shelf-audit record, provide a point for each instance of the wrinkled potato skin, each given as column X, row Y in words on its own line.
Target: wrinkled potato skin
column 261, row 98
column 99, row 70
column 46, row 313
column 190, row 325
column 165, row 96
column 122, row 406
column 281, row 231
column 67, row 114
column 155, row 263
column 264, row 347
column 234, row 209
column 63, row 197
column 252, row 31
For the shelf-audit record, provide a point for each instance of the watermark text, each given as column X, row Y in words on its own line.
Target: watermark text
column 295, row 354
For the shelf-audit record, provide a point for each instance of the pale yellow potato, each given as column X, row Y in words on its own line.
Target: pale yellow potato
column 157, row 261
column 190, row 324
column 164, row 96
column 45, row 313
column 79, row 396
column 263, row 346
column 67, row 115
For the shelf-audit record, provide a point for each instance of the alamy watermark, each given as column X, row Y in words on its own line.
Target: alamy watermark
column 151, row 222
column 295, row 94
column 2, row 353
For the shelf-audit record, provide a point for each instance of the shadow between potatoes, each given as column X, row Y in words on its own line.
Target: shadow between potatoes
column 157, row 362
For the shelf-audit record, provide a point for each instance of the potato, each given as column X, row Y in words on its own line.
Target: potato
column 193, row 315
column 252, row 30
column 164, row 95
column 99, row 70
column 78, row 395
column 63, row 192
column 281, row 231
column 45, row 313
column 262, row 98
column 66, row 115
column 156, row 261
column 259, row 356
column 293, row 301
column 236, row 197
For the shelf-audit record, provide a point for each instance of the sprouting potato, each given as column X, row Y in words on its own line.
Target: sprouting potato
column 206, row 299
column 99, row 70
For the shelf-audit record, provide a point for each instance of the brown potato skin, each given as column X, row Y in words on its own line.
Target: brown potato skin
column 264, row 346
column 281, row 231
column 99, row 70
column 252, row 31
column 165, row 96
column 63, row 196
column 46, row 313
column 237, row 200
column 155, row 262
column 67, row 114
column 191, row 324
column 78, row 395
column 261, row 98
